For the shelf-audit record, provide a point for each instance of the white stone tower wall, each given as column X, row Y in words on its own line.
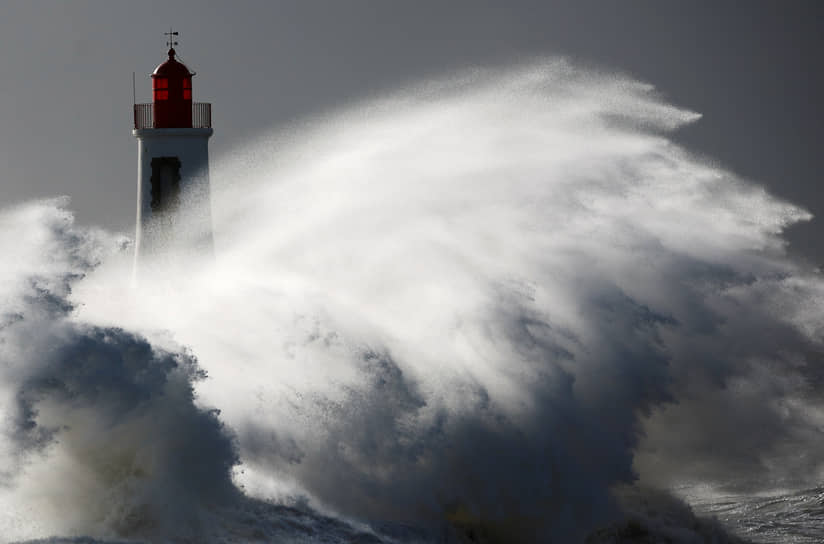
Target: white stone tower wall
column 190, row 228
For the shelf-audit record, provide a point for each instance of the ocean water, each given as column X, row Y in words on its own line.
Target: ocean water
column 793, row 517
column 498, row 307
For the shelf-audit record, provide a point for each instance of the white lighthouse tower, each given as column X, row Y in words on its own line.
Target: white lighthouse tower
column 173, row 205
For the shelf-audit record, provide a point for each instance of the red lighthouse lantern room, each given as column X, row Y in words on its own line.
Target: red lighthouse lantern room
column 172, row 94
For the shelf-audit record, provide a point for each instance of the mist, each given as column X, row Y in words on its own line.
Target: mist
column 495, row 297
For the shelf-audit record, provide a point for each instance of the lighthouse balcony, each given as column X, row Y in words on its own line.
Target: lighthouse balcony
column 144, row 116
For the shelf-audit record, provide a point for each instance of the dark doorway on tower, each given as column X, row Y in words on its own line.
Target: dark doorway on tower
column 165, row 185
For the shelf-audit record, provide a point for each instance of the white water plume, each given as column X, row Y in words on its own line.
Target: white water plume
column 490, row 299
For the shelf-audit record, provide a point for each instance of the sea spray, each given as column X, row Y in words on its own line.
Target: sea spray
column 100, row 432
column 488, row 300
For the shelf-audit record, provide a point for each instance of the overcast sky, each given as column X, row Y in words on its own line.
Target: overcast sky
column 753, row 69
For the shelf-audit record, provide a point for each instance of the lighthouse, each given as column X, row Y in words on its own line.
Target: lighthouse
column 173, row 202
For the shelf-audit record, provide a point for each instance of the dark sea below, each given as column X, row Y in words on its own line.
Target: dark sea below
column 788, row 518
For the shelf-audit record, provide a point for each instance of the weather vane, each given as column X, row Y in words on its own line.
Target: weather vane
column 171, row 41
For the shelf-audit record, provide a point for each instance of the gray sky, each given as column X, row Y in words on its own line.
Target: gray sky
column 753, row 69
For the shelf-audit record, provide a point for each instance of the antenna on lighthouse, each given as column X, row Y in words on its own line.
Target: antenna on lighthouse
column 171, row 41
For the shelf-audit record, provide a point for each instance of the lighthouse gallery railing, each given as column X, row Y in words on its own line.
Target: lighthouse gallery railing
column 201, row 115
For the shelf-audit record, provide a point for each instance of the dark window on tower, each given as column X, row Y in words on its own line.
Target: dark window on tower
column 160, row 85
column 165, row 182
column 187, row 89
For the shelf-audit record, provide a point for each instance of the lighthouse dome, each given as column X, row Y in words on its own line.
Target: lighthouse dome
column 172, row 68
